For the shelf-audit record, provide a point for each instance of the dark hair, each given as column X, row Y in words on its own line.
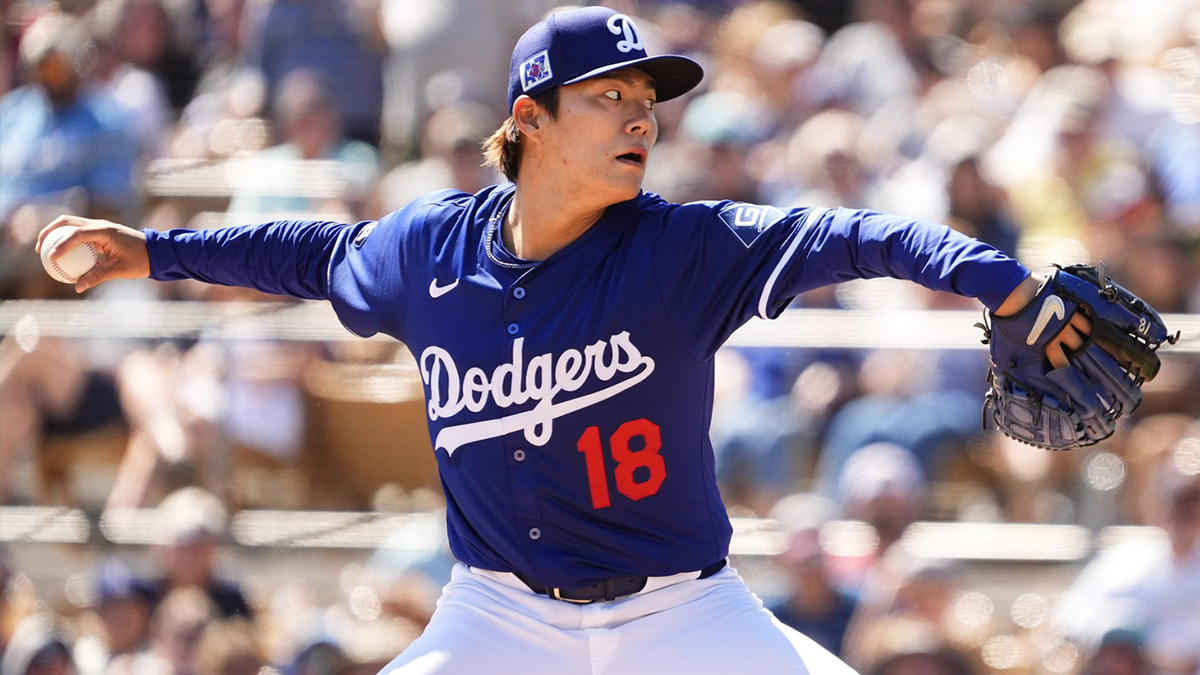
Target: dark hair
column 503, row 148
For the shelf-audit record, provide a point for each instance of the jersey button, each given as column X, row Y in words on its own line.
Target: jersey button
column 535, row 533
column 519, row 455
column 518, row 292
column 513, row 328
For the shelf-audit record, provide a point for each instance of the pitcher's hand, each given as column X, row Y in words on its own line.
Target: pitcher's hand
column 124, row 249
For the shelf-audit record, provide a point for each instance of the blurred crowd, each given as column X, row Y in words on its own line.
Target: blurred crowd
column 1057, row 130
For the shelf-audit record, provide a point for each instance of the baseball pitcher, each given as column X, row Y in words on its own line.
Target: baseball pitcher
column 564, row 325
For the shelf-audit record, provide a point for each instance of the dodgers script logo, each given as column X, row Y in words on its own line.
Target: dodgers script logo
column 536, row 70
column 619, row 24
column 543, row 379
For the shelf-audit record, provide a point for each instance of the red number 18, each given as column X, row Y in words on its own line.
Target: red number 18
column 628, row 461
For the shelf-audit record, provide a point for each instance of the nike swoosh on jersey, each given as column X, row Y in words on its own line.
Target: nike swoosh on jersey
column 436, row 291
column 1053, row 306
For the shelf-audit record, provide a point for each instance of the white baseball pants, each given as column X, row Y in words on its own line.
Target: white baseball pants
column 491, row 623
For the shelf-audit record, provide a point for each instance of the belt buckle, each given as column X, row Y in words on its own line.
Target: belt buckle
column 557, row 595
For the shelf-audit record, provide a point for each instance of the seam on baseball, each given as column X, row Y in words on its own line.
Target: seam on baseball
column 66, row 275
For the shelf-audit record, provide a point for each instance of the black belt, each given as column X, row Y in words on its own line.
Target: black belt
column 609, row 589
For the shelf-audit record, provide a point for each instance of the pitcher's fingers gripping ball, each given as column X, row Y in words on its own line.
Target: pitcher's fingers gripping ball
column 72, row 264
column 1060, row 407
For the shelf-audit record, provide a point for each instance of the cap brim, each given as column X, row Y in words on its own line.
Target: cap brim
column 673, row 75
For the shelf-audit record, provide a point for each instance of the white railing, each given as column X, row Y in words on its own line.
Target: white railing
column 752, row 537
column 315, row 321
column 316, row 179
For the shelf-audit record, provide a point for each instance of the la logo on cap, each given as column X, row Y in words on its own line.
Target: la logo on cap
column 535, row 70
column 574, row 45
column 622, row 26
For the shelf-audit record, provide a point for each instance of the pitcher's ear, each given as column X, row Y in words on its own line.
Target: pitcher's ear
column 527, row 113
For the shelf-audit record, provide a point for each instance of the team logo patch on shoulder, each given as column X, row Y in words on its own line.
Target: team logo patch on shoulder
column 536, row 70
column 749, row 220
column 363, row 234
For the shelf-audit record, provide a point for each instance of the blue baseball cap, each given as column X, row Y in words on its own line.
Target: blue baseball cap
column 115, row 579
column 579, row 44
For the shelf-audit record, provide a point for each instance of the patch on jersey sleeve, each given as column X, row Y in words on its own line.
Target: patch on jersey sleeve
column 749, row 220
column 362, row 235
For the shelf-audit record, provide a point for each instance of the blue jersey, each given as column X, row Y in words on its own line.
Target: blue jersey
column 569, row 399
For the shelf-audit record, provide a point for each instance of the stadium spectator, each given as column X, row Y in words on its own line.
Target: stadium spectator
column 310, row 123
column 710, row 157
column 816, row 606
column 877, row 61
column 901, row 591
column 146, row 36
column 132, row 37
column 919, row 662
column 220, row 40
column 1171, row 148
column 62, row 145
column 1121, row 652
column 883, row 486
column 449, row 158
column 767, row 423
column 123, row 606
column 782, row 61
column 1090, row 179
column 8, row 615
column 229, row 648
column 332, row 38
column 168, row 446
column 49, row 389
column 39, row 646
column 1152, row 587
column 898, row 406
column 192, row 524
column 979, row 207
column 453, row 51
column 1130, row 106
column 10, row 37
column 224, row 118
column 825, row 163
column 178, row 626
column 319, row 657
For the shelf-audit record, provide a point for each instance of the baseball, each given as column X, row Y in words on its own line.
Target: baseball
column 72, row 264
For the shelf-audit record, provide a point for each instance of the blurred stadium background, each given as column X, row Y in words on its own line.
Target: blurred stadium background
column 851, row 457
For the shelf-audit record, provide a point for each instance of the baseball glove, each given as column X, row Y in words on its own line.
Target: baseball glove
column 1078, row 404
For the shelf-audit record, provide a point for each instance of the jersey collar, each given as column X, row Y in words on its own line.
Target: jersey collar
column 608, row 226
